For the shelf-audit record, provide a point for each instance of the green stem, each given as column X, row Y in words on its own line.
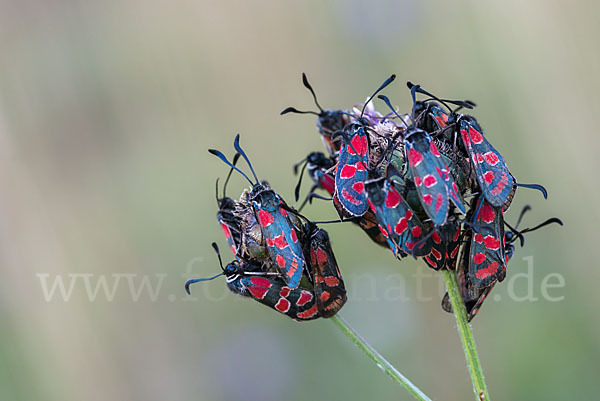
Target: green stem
column 466, row 336
column 378, row 359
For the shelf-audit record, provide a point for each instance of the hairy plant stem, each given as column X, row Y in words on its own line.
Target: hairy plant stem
column 466, row 336
column 378, row 359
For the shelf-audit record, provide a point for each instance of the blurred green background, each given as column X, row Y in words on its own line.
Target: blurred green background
column 106, row 111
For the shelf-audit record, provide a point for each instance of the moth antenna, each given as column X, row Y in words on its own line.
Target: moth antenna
column 236, row 144
column 217, row 191
column 413, row 95
column 297, row 189
column 313, row 195
column 299, row 163
column 383, row 85
column 307, row 198
column 224, row 159
column 467, row 104
column 545, row 223
column 235, row 160
column 197, row 280
column 307, row 85
column 216, row 248
column 330, row 221
column 535, row 186
column 296, row 111
column 389, row 104
column 526, row 208
column 347, row 114
column 461, row 103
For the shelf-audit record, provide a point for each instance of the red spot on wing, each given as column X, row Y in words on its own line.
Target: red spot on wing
column 475, row 135
column 308, row 313
column 443, row 173
column 305, row 297
column 283, row 305
column 280, row 242
column 321, row 257
column 332, row 281
column 478, row 258
column 441, row 120
column 285, row 291
column 265, row 218
column 488, row 177
column 503, row 181
column 392, row 199
column 416, row 231
column 358, row 143
column 491, row 243
column 283, row 212
column 456, row 234
column 258, row 292
column 418, row 181
column 348, row 171
column 454, row 252
column 408, row 214
column 436, row 254
column 384, row 232
column 428, row 199
column 372, row 206
column 280, row 261
column 491, row 158
column 434, row 149
column 465, row 137
column 348, row 197
column 401, row 226
column 414, row 157
column 358, row 186
column 325, row 296
column 488, row 271
column 429, row 181
column 293, row 235
column 260, row 281
column 478, row 238
column 328, row 183
column 439, row 201
column 436, row 238
column 225, row 228
column 487, row 213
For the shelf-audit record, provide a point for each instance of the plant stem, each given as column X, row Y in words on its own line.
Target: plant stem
column 378, row 359
column 466, row 336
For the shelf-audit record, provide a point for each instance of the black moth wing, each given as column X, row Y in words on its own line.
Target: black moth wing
column 271, row 291
column 329, row 289
column 473, row 296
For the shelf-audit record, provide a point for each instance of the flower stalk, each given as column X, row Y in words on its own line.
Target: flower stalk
column 380, row 361
column 466, row 336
